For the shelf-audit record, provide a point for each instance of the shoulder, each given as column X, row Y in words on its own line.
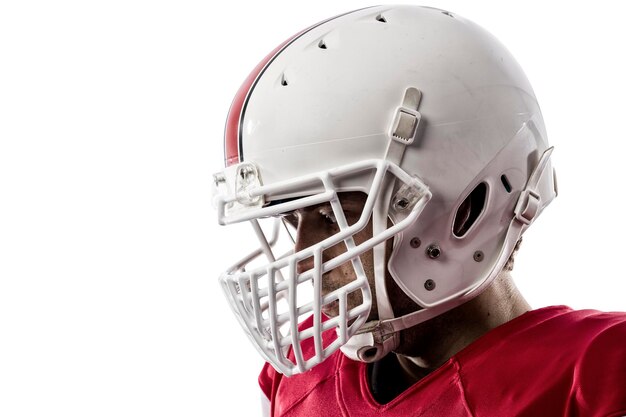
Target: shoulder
column 598, row 340
column 576, row 336
column 549, row 331
column 588, row 349
column 559, row 360
column 599, row 375
column 565, row 329
column 592, row 336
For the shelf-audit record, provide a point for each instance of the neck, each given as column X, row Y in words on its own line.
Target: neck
column 429, row 345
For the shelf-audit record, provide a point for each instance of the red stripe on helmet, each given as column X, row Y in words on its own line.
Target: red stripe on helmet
column 233, row 121
column 232, row 135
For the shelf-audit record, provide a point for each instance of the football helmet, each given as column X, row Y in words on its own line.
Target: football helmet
column 423, row 111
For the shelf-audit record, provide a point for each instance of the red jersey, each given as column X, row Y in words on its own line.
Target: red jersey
column 548, row 362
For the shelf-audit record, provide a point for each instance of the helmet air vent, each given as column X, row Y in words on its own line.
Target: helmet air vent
column 283, row 81
column 381, row 18
column 506, row 183
column 322, row 44
column 470, row 210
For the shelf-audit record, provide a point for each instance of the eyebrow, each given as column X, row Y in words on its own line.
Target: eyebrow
column 352, row 203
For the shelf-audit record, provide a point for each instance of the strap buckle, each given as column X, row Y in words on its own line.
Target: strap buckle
column 527, row 206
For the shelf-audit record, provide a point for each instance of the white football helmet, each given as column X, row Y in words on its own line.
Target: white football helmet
column 418, row 108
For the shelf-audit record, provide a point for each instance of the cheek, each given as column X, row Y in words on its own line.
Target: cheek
column 345, row 273
column 367, row 259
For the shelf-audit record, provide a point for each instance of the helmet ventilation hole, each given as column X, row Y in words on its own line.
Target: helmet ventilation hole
column 381, row 18
column 322, row 44
column 506, row 183
column 283, row 81
column 469, row 210
column 415, row 243
column 447, row 13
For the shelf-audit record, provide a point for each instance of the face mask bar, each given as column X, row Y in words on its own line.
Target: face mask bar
column 267, row 300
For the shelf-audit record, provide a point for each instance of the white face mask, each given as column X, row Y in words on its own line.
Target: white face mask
column 271, row 300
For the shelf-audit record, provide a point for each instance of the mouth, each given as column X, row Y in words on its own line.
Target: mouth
column 331, row 309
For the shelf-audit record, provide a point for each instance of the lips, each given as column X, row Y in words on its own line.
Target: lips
column 331, row 309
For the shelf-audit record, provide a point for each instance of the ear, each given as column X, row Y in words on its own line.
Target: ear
column 469, row 210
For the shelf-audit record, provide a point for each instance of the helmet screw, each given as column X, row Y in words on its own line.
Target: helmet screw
column 218, row 179
column 479, row 256
column 429, row 285
column 433, row 251
column 415, row 243
column 402, row 203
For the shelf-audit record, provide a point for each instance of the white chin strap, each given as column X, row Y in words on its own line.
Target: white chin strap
column 372, row 345
column 368, row 347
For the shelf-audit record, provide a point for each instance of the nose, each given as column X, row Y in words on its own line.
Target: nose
column 304, row 239
column 307, row 235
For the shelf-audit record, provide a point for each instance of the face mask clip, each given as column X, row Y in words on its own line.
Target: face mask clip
column 407, row 197
column 246, row 180
column 243, row 181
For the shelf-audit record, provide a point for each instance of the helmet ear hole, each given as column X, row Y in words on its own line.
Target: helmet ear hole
column 470, row 210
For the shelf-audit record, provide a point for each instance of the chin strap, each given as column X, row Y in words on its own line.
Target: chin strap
column 372, row 342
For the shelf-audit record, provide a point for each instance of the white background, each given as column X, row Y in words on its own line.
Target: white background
column 111, row 122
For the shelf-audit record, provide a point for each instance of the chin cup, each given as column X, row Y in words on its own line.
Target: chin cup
column 373, row 342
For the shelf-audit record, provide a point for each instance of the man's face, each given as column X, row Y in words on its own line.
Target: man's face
column 317, row 223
